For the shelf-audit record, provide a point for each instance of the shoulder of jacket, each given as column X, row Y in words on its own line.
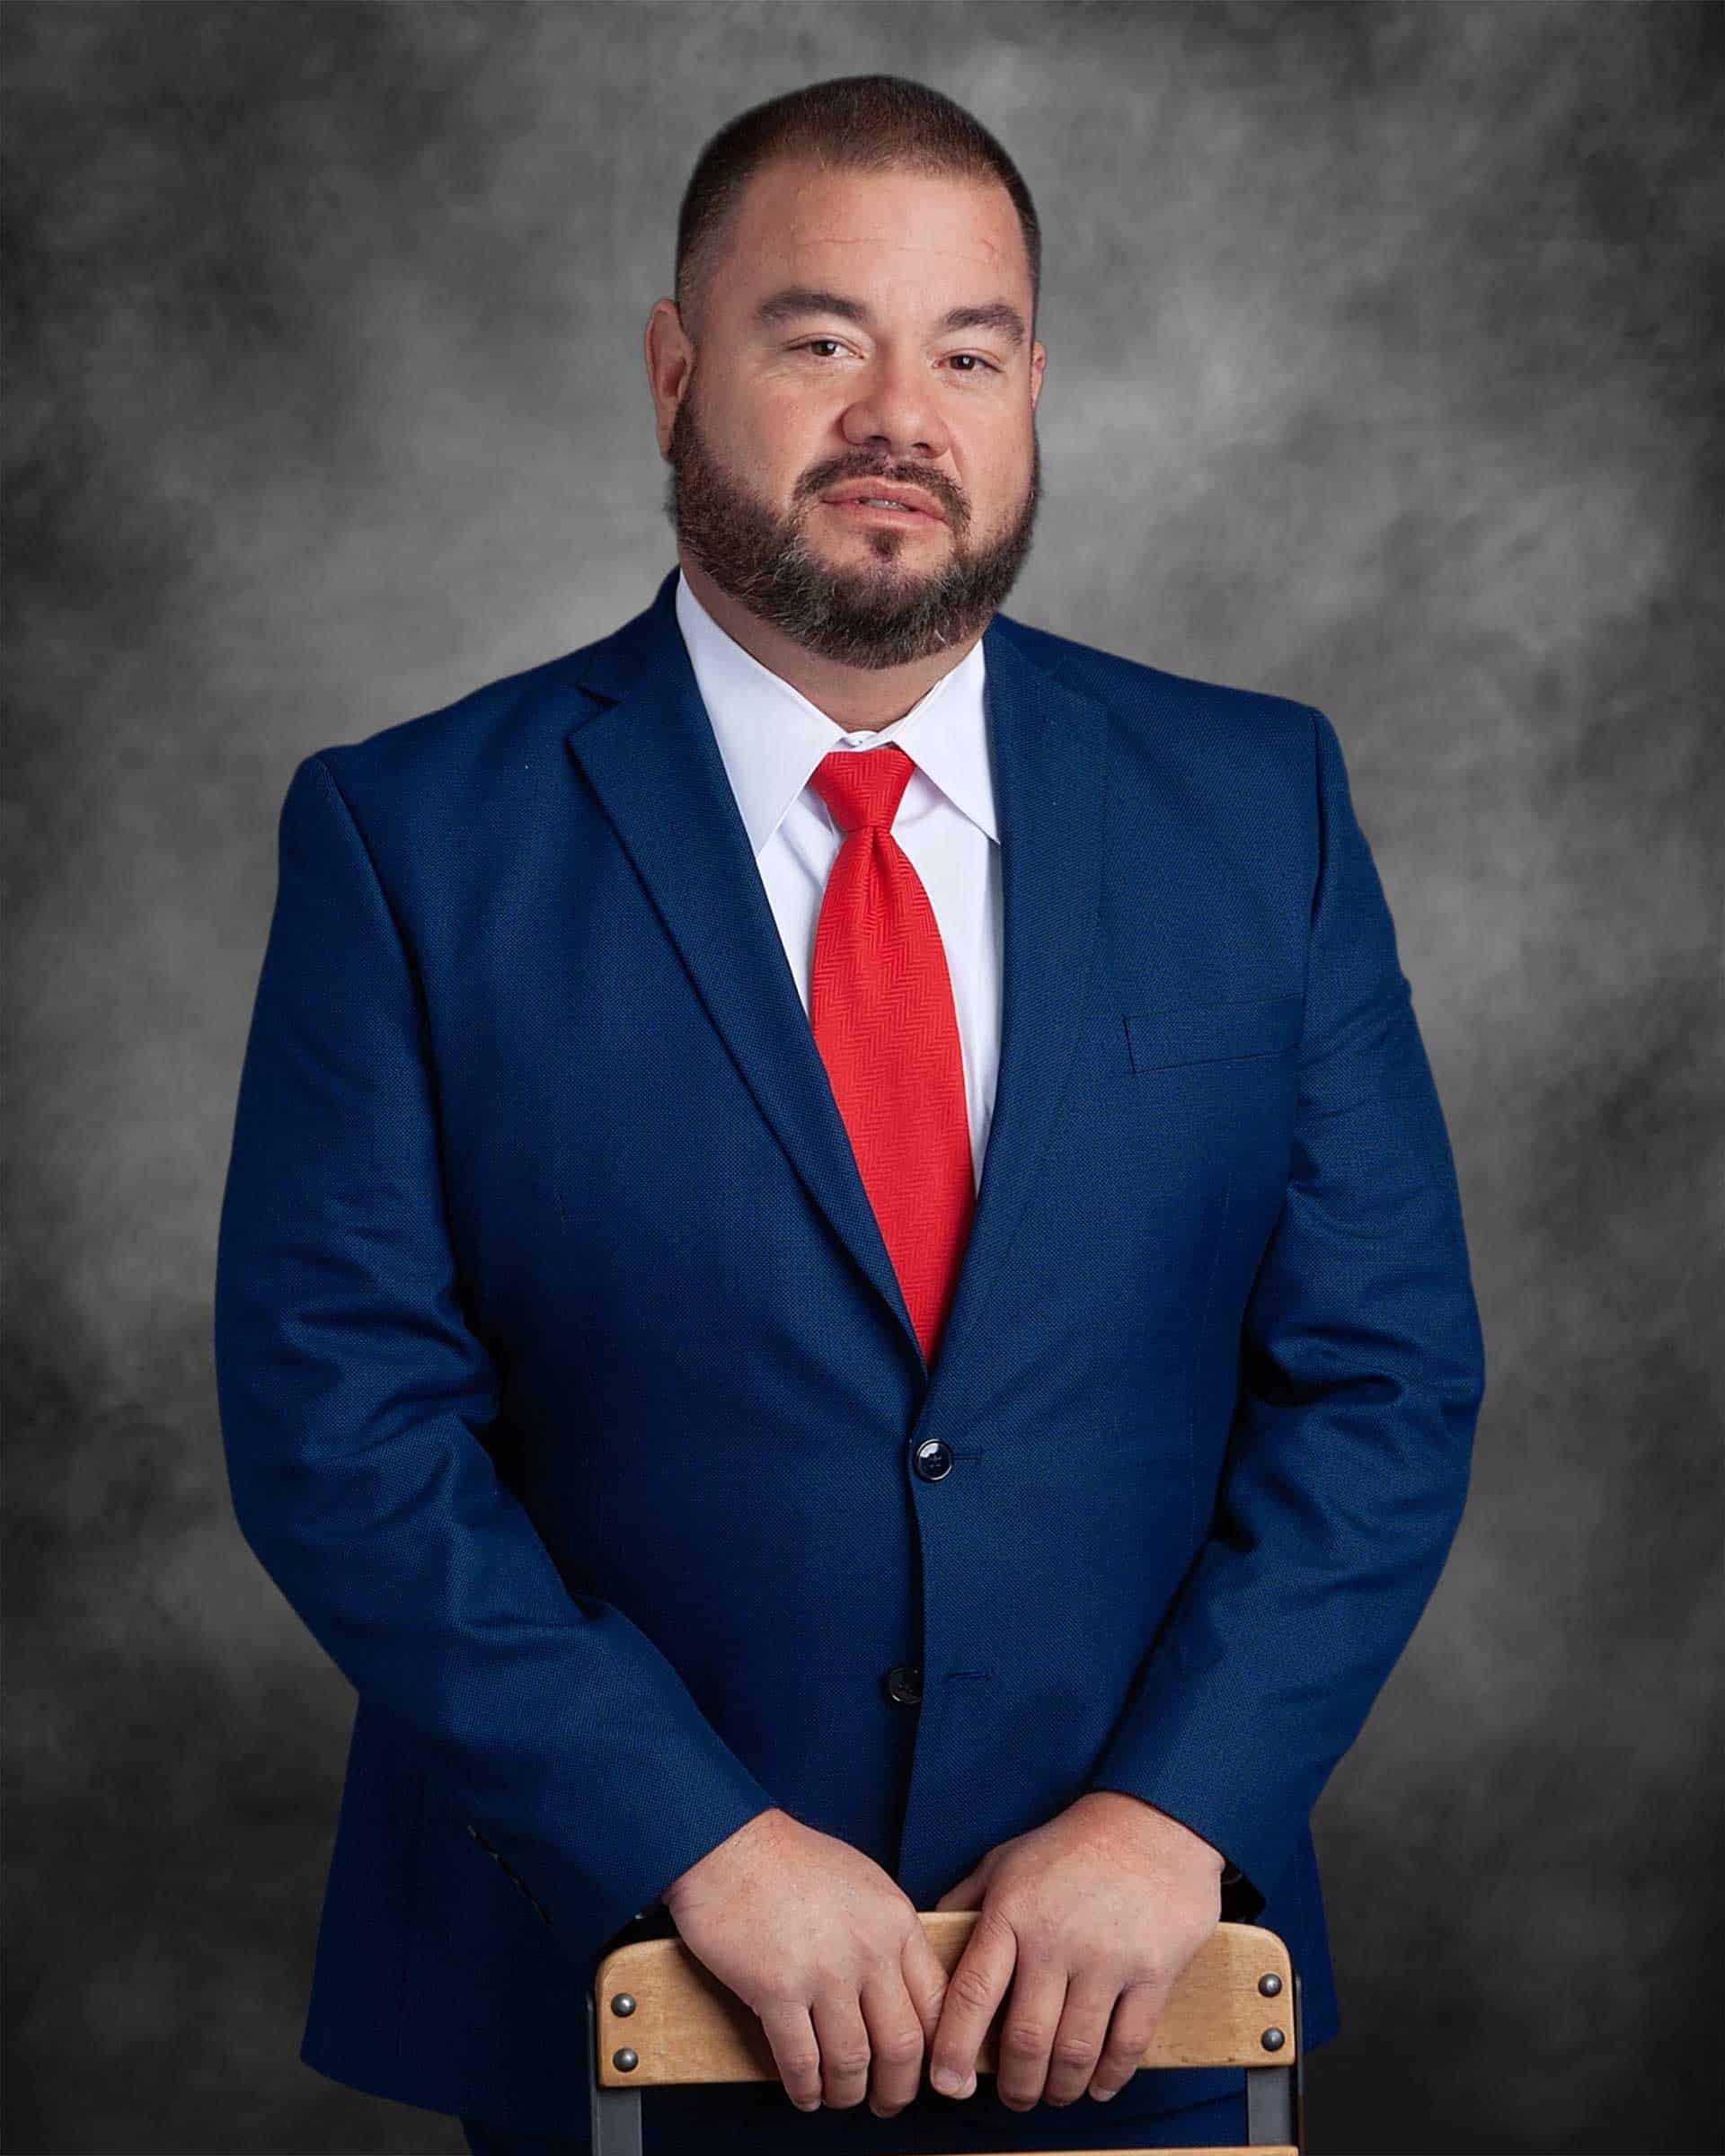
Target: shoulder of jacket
column 448, row 735
column 1134, row 689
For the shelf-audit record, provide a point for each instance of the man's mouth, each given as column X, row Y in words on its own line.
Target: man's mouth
column 901, row 505
column 881, row 512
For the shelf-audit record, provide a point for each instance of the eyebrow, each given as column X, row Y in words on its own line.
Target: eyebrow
column 795, row 301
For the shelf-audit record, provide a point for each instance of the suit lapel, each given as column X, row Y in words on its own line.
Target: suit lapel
column 1049, row 744
column 649, row 753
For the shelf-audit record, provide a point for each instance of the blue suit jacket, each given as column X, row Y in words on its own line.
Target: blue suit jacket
column 570, row 1398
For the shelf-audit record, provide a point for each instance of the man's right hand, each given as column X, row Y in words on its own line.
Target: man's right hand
column 826, row 1949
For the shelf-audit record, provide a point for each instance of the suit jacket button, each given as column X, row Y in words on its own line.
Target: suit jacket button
column 934, row 1459
column 905, row 1685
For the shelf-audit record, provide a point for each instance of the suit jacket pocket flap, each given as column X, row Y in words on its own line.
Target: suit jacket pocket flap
column 1212, row 1032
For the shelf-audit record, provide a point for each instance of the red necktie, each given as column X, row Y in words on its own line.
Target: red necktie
column 881, row 1004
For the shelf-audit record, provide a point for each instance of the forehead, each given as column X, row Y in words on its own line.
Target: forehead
column 873, row 231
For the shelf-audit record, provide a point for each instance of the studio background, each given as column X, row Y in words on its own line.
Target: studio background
column 1383, row 374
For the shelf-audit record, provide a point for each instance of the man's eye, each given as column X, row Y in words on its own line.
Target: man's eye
column 809, row 344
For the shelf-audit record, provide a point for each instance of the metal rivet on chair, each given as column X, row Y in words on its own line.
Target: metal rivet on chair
column 623, row 2004
column 625, row 2060
column 1270, row 1985
column 1272, row 2039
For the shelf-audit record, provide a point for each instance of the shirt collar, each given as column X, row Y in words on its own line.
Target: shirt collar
column 771, row 737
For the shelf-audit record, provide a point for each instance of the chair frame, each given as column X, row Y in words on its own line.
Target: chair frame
column 1275, row 2090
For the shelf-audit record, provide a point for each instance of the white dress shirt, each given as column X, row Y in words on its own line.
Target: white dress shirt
column 771, row 739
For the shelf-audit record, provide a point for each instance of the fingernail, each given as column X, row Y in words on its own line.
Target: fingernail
column 1104, row 2096
column 946, row 2081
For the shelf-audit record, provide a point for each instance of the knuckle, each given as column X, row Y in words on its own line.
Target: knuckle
column 970, row 1987
column 902, row 2049
column 1074, row 2051
column 1039, row 1944
column 1024, row 2040
column 996, row 1926
column 847, row 2059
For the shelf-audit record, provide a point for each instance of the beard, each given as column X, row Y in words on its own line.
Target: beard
column 879, row 611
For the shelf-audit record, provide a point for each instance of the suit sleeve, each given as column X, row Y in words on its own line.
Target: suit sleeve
column 353, row 1398
column 1361, row 1374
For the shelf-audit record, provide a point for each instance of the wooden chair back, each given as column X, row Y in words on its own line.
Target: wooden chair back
column 658, row 2017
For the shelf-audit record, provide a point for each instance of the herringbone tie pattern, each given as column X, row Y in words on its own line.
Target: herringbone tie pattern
column 881, row 1004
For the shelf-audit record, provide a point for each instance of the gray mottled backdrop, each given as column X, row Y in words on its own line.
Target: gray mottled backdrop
column 1383, row 347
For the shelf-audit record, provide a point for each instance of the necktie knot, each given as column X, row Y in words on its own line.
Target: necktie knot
column 863, row 787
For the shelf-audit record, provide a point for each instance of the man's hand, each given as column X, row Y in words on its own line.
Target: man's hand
column 826, row 1949
column 1099, row 1912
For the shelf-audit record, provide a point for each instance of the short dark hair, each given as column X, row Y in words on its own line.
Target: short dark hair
column 859, row 123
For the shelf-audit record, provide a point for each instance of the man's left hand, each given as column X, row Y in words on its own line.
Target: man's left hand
column 1099, row 1913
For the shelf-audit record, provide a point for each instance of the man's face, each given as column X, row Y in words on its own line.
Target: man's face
column 787, row 399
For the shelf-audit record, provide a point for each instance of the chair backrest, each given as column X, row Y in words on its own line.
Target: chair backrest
column 658, row 2017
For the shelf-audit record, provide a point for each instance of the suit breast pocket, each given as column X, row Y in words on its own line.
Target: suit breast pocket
column 1188, row 1033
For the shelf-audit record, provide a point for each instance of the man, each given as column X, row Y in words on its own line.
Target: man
column 841, row 1289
